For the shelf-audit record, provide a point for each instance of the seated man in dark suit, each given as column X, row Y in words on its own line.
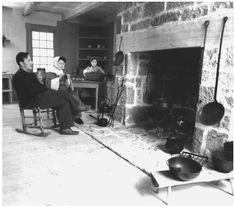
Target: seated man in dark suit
column 33, row 93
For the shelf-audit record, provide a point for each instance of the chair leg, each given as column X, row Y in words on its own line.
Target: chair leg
column 24, row 125
column 54, row 118
column 40, row 120
column 36, row 119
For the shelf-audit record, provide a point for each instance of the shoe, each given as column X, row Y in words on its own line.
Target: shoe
column 68, row 132
column 78, row 121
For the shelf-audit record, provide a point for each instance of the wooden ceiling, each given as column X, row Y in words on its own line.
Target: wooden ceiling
column 73, row 11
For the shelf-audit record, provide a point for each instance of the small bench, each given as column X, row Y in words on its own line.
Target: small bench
column 166, row 180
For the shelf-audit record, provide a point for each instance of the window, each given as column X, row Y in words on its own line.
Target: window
column 42, row 49
column 40, row 45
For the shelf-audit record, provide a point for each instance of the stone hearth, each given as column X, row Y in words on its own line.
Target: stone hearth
column 158, row 26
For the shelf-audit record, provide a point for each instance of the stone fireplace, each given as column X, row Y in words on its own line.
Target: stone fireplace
column 152, row 77
column 162, row 42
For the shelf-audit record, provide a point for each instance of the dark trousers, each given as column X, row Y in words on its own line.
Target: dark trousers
column 66, row 106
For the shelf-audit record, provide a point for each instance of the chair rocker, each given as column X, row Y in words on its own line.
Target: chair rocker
column 36, row 120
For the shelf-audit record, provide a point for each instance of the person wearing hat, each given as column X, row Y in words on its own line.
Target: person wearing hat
column 94, row 67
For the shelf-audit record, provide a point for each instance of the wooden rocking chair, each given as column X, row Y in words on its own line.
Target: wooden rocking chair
column 36, row 120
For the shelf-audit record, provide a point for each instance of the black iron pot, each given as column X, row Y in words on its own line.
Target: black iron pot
column 184, row 168
column 103, row 122
column 228, row 146
column 222, row 161
column 174, row 145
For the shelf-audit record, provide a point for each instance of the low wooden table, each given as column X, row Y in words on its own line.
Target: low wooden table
column 88, row 84
column 166, row 180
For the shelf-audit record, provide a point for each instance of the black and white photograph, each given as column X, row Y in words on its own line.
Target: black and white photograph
column 117, row 103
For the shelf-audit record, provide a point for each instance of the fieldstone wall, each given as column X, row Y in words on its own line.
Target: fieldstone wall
column 143, row 16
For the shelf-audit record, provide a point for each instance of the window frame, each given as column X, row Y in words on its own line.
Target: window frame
column 39, row 28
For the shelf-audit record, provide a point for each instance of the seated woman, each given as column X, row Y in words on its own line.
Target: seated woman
column 94, row 67
column 56, row 79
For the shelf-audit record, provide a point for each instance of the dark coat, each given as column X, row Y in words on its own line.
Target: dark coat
column 27, row 87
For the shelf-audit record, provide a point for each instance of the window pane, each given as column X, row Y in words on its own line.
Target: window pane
column 49, row 44
column 35, row 43
column 50, row 36
column 50, row 60
column 35, row 35
column 43, row 36
column 35, row 60
column 35, row 52
column 43, row 52
column 43, row 49
column 50, row 53
column 43, row 60
column 43, row 66
column 35, row 66
column 43, row 44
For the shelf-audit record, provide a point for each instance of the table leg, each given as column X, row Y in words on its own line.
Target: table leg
column 96, row 98
column 168, row 195
column 231, row 183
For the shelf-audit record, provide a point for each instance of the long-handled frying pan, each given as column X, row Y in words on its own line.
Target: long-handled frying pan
column 206, row 24
column 213, row 112
column 119, row 56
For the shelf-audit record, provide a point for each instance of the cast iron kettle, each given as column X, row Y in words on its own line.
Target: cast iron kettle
column 174, row 145
column 213, row 112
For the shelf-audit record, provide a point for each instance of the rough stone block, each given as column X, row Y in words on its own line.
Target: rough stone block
column 141, row 25
column 206, row 95
column 220, row 5
column 229, row 57
column 168, row 17
column 198, row 134
column 144, row 67
column 225, row 122
column 139, row 99
column 174, row 5
column 226, row 80
column 191, row 13
column 205, row 76
column 133, row 15
column 229, row 101
column 123, row 6
column 130, row 95
column 132, row 62
column 215, row 140
column 125, row 28
column 133, row 27
column 153, row 8
column 119, row 114
column 200, row 11
column 210, row 58
column 119, row 69
column 138, row 82
column 130, row 80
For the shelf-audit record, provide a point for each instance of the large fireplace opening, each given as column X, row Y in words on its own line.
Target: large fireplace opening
column 163, row 89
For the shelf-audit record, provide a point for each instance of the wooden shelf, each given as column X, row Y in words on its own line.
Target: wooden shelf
column 94, row 37
column 99, row 49
column 88, row 59
column 95, row 40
